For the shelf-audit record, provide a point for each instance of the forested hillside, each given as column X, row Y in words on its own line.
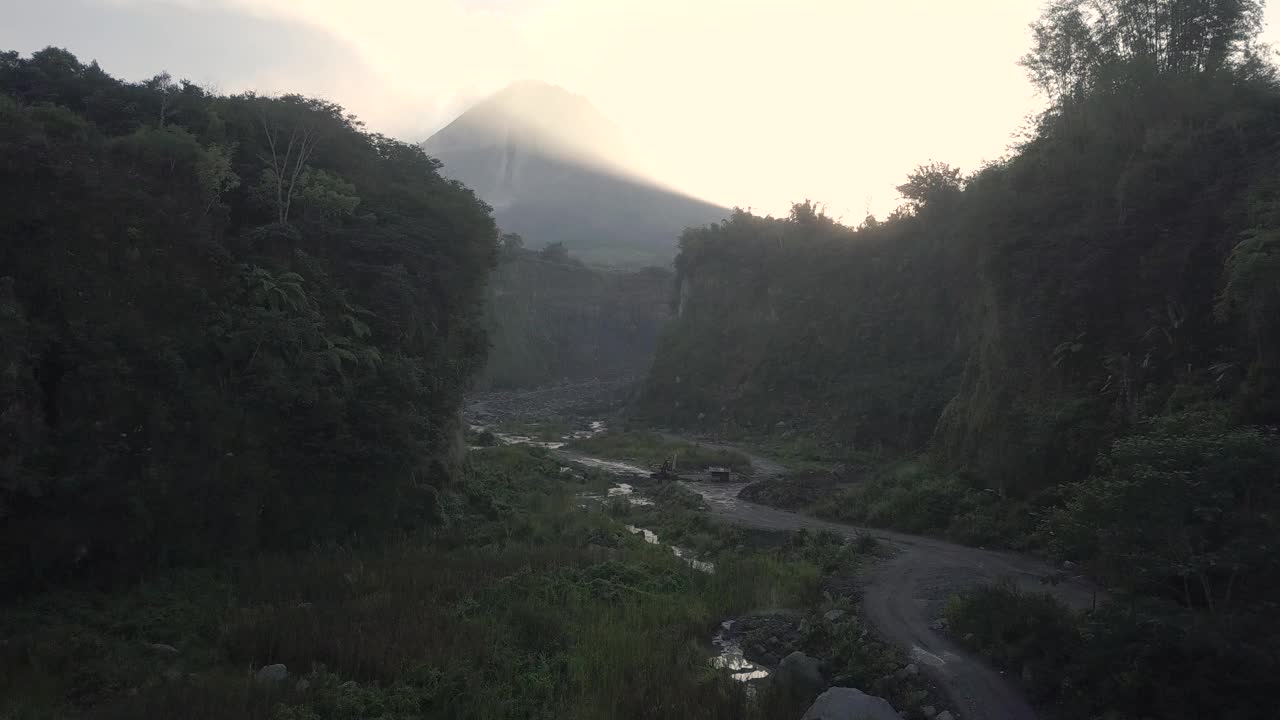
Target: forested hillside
column 230, row 323
column 1118, row 265
column 552, row 318
column 857, row 334
column 1087, row 330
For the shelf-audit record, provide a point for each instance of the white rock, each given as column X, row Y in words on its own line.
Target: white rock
column 945, row 715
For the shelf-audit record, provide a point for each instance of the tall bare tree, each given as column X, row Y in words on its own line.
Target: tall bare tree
column 290, row 144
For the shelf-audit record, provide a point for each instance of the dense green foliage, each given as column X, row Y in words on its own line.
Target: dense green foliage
column 1184, row 508
column 1081, row 338
column 229, row 323
column 552, row 318
column 804, row 322
column 1119, row 266
column 1138, row 659
column 523, row 605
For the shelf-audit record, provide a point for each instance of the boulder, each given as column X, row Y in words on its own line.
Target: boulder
column 912, row 669
column 929, row 711
column 833, row 616
column 945, row 715
column 940, row 625
column 850, row 704
column 800, row 674
column 272, row 674
column 163, row 649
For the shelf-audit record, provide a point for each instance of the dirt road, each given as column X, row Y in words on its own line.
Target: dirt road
column 904, row 594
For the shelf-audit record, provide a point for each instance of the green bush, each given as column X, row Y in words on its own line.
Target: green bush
column 1031, row 635
column 1130, row 659
column 526, row 607
column 913, row 496
column 1186, row 507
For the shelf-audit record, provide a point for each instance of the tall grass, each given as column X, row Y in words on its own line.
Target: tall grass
column 531, row 608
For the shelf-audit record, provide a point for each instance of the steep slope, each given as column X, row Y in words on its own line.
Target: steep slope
column 556, row 170
column 857, row 336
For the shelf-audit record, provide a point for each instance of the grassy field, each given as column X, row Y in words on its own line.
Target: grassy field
column 650, row 449
column 524, row 606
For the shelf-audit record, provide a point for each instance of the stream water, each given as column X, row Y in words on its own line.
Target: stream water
column 729, row 655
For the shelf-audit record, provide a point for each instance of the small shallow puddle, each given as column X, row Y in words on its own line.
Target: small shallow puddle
column 652, row 538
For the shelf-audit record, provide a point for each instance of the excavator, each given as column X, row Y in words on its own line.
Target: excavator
column 666, row 471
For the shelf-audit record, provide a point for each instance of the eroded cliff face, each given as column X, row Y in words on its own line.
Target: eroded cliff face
column 805, row 323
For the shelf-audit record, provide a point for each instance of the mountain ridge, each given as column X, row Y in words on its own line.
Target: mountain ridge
column 555, row 169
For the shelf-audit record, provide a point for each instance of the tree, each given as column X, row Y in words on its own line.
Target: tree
column 165, row 91
column 510, row 246
column 929, row 184
column 215, row 175
column 555, row 252
column 1185, row 507
column 328, row 195
column 186, row 377
column 1080, row 45
column 290, row 141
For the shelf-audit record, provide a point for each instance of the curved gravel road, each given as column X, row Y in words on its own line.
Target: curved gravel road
column 904, row 593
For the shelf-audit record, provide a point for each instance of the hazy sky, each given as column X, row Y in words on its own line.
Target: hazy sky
column 755, row 103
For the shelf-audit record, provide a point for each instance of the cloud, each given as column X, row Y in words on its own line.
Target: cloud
column 741, row 101
column 749, row 102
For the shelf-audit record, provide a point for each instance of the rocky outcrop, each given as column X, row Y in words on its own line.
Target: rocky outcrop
column 850, row 704
column 271, row 674
column 800, row 675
